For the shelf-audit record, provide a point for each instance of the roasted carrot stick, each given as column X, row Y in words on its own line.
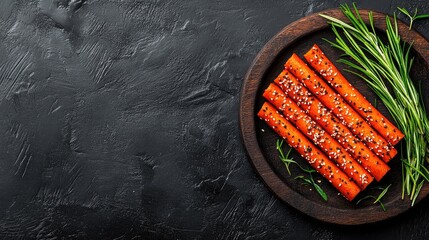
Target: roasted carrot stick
column 309, row 151
column 338, row 106
column 319, row 112
column 322, row 115
column 320, row 138
column 328, row 144
column 317, row 59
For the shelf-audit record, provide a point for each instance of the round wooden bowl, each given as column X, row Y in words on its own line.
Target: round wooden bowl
column 259, row 139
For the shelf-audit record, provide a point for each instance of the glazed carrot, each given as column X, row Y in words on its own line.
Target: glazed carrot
column 320, row 138
column 338, row 106
column 368, row 160
column 302, row 96
column 309, row 151
column 317, row 59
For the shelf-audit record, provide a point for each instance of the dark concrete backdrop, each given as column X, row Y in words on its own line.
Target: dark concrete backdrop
column 119, row 119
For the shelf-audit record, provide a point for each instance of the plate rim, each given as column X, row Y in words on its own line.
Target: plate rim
column 261, row 63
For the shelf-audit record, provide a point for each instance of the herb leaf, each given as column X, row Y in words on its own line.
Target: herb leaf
column 320, row 190
column 376, row 199
column 287, row 161
column 382, row 194
column 412, row 17
column 284, row 158
column 364, row 198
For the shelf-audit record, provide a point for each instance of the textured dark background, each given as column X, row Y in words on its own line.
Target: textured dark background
column 119, row 119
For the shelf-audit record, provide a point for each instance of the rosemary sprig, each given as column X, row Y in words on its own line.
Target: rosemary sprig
column 310, row 181
column 377, row 62
column 412, row 17
column 284, row 158
column 376, row 199
column 287, row 161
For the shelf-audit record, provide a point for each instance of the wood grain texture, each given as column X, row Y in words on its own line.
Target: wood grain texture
column 299, row 36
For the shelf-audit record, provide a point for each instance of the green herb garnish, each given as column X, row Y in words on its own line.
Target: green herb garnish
column 284, row 158
column 376, row 199
column 287, row 161
column 412, row 17
column 377, row 62
column 310, row 181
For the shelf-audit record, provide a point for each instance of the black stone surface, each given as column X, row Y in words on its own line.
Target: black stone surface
column 119, row 120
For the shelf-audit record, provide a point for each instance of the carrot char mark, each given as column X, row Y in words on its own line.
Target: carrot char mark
column 314, row 157
column 319, row 137
column 340, row 107
column 318, row 60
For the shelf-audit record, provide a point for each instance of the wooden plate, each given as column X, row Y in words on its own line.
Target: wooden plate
column 259, row 139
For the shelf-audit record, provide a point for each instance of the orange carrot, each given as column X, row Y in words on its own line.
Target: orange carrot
column 339, row 106
column 303, row 122
column 317, row 59
column 320, row 138
column 319, row 112
column 309, row 151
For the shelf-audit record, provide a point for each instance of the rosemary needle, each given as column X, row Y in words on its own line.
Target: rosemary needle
column 412, row 17
column 376, row 199
column 287, row 161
